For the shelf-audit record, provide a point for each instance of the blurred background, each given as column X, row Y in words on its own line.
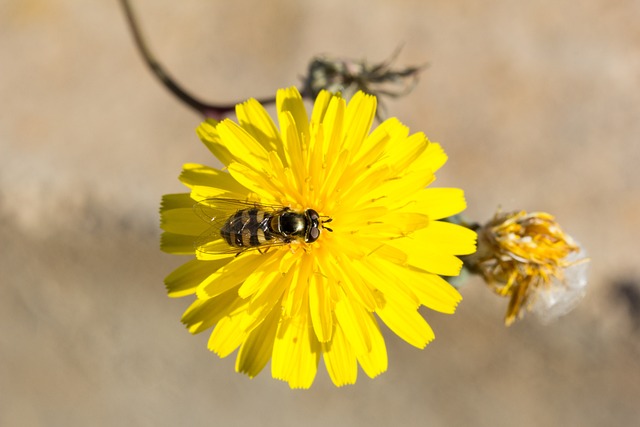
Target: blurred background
column 536, row 103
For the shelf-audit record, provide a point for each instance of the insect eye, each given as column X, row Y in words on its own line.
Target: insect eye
column 313, row 235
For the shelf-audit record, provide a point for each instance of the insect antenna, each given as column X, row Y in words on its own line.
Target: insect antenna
column 325, row 222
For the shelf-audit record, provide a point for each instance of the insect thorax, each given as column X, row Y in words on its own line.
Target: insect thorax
column 292, row 224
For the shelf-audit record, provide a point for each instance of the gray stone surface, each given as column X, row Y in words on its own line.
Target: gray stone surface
column 536, row 104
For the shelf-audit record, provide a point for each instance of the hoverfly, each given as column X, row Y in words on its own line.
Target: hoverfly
column 246, row 225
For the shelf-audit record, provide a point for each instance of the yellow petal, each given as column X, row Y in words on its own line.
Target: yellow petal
column 320, row 106
column 296, row 352
column 268, row 298
column 430, row 289
column 175, row 201
column 320, row 307
column 350, row 282
column 211, row 139
column 288, row 260
column 183, row 221
column 262, row 277
column 294, row 148
column 194, row 174
column 358, row 119
column 289, row 101
column 334, row 174
column 433, row 158
column 395, row 191
column 445, row 265
column 391, row 254
column 213, row 250
column 253, row 118
column 228, row 335
column 256, row 350
column 340, row 359
column 333, row 128
column 432, row 248
column 407, row 324
column 394, row 224
column 360, row 193
column 297, row 294
column 185, row 279
column 437, row 263
column 203, row 314
column 374, row 362
column 244, row 148
column 374, row 146
column 232, row 274
column 284, row 180
column 437, row 294
column 391, row 288
column 259, row 183
column 177, row 244
column 402, row 154
column 445, row 237
column 437, row 203
column 315, row 164
column 354, row 323
column 206, row 183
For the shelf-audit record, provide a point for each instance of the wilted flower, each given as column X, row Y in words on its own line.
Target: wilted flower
column 319, row 297
column 348, row 76
column 528, row 258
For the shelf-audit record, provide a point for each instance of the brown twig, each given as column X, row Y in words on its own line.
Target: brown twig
column 208, row 110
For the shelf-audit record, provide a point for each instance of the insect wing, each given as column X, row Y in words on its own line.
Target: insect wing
column 214, row 208
column 217, row 212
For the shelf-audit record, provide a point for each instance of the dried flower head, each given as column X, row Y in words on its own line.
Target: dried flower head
column 528, row 258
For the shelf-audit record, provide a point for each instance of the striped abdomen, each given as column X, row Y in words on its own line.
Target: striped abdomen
column 246, row 228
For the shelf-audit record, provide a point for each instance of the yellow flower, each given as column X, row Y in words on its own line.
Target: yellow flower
column 527, row 257
column 299, row 301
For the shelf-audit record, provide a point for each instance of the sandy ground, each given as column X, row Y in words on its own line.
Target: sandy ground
column 536, row 104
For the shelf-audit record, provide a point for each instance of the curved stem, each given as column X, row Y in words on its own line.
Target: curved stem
column 205, row 109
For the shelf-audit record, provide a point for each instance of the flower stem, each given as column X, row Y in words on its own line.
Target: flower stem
column 208, row 110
